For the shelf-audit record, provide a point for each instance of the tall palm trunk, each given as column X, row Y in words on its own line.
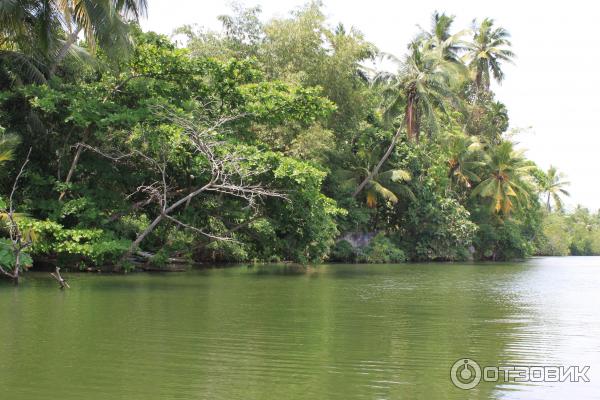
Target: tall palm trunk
column 412, row 128
column 64, row 50
column 478, row 79
column 383, row 159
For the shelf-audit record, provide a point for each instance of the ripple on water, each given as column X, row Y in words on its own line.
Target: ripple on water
column 336, row 332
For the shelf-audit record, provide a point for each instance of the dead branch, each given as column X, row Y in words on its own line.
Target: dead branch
column 118, row 215
column 18, row 242
column 197, row 230
column 61, row 281
column 227, row 176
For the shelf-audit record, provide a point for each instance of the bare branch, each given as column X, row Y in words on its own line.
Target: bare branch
column 61, row 281
column 200, row 231
column 16, row 182
column 228, row 173
column 16, row 236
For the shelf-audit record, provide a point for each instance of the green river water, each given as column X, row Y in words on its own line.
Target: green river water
column 285, row 332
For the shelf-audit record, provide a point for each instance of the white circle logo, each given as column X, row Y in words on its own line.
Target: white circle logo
column 465, row 374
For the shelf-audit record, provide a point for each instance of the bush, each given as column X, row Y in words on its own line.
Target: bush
column 222, row 252
column 438, row 229
column 381, row 250
column 8, row 259
column 343, row 251
column 555, row 239
column 80, row 247
column 503, row 241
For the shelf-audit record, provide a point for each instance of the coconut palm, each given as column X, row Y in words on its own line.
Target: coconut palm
column 464, row 159
column 553, row 186
column 440, row 38
column 389, row 185
column 421, row 87
column 102, row 22
column 25, row 35
column 46, row 30
column 507, row 181
column 487, row 51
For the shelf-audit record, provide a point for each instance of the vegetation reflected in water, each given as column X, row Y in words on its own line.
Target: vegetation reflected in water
column 272, row 332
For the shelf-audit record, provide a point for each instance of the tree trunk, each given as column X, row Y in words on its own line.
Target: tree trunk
column 375, row 170
column 412, row 129
column 142, row 236
column 478, row 80
column 71, row 170
column 17, row 267
column 159, row 218
column 64, row 50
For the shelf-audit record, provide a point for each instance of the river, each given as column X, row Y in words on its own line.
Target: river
column 286, row 332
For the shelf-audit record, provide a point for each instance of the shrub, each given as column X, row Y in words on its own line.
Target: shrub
column 343, row 251
column 381, row 250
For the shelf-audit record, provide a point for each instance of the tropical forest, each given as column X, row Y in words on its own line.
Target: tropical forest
column 291, row 139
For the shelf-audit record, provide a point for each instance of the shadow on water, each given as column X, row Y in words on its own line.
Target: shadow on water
column 281, row 269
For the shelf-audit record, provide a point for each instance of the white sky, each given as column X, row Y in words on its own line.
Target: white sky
column 551, row 91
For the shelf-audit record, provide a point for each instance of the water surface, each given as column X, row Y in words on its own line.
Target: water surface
column 283, row 332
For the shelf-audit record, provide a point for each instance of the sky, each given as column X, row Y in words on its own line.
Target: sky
column 551, row 90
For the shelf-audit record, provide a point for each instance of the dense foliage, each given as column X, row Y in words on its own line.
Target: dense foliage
column 266, row 141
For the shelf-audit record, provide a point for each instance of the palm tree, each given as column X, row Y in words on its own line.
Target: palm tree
column 440, row 38
column 508, row 177
column 48, row 29
column 26, row 33
column 389, row 185
column 463, row 159
column 421, row 86
column 101, row 21
column 487, row 51
column 553, row 187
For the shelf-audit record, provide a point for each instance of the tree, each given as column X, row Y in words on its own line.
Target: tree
column 102, row 22
column 13, row 252
column 47, row 30
column 464, row 160
column 507, row 179
column 440, row 38
column 228, row 173
column 487, row 51
column 553, row 186
column 556, row 236
column 421, row 86
column 243, row 35
column 388, row 185
column 27, row 34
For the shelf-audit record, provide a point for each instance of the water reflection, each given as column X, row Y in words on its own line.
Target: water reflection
column 272, row 332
